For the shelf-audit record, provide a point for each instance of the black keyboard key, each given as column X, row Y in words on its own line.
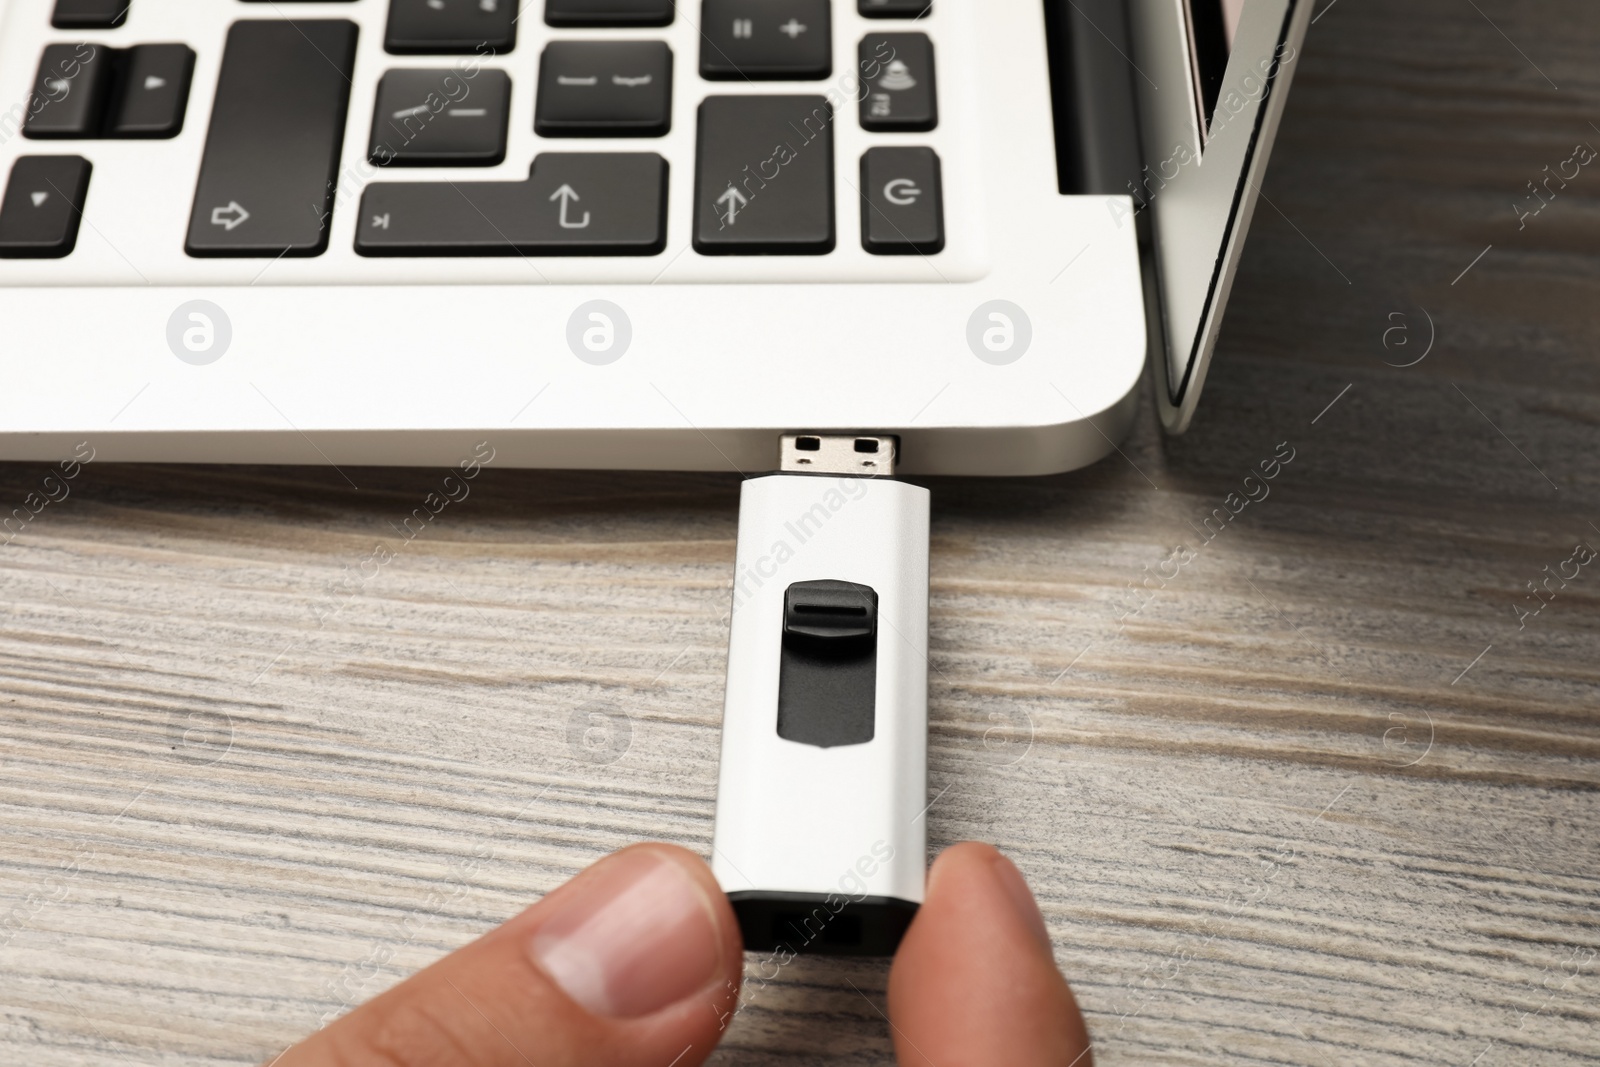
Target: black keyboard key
column 583, row 13
column 604, row 89
column 154, row 92
column 272, row 150
column 573, row 204
column 893, row 9
column 772, row 39
column 897, row 70
column 70, row 91
column 89, row 14
column 440, row 117
column 764, row 176
column 43, row 203
column 450, row 27
column 902, row 210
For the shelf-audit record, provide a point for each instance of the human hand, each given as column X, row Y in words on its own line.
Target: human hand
column 636, row 962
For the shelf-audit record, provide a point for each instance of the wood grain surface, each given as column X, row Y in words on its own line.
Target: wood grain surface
column 1310, row 791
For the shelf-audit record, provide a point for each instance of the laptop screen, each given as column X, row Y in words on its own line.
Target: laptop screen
column 1205, row 146
column 1212, row 27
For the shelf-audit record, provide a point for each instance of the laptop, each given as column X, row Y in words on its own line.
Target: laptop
column 621, row 233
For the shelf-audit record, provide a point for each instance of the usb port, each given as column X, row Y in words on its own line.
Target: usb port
column 818, row 453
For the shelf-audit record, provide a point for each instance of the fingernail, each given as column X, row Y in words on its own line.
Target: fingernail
column 636, row 935
column 1021, row 898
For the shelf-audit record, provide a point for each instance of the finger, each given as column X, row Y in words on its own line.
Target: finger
column 635, row 961
column 975, row 982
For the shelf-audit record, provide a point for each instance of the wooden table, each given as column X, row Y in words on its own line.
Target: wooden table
column 1317, row 795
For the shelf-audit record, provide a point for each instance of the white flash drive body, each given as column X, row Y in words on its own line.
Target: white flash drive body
column 820, row 838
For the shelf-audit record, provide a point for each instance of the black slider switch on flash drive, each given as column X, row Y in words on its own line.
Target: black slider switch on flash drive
column 828, row 673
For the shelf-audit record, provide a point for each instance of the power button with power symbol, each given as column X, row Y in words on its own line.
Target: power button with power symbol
column 902, row 213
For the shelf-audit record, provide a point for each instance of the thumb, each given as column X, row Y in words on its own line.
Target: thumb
column 975, row 982
column 637, row 960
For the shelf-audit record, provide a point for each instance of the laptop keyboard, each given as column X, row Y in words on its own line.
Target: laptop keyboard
column 761, row 168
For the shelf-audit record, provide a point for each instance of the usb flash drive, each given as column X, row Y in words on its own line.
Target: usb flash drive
column 820, row 840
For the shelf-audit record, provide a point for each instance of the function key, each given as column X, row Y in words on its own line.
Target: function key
column 573, row 203
column 89, row 14
column 154, row 92
column 43, row 203
column 765, row 39
column 588, row 13
column 450, row 27
column 69, row 91
column 272, row 150
column 897, row 69
column 902, row 212
column 440, row 118
column 893, row 9
column 763, row 179
column 604, row 89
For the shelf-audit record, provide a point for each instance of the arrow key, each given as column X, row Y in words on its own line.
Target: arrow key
column 155, row 92
column 43, row 203
column 69, row 91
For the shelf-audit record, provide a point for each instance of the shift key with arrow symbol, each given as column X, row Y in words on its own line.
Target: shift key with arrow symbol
column 271, row 161
column 572, row 204
column 229, row 215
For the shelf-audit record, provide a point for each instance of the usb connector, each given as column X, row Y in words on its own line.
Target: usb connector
column 818, row 843
column 810, row 453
